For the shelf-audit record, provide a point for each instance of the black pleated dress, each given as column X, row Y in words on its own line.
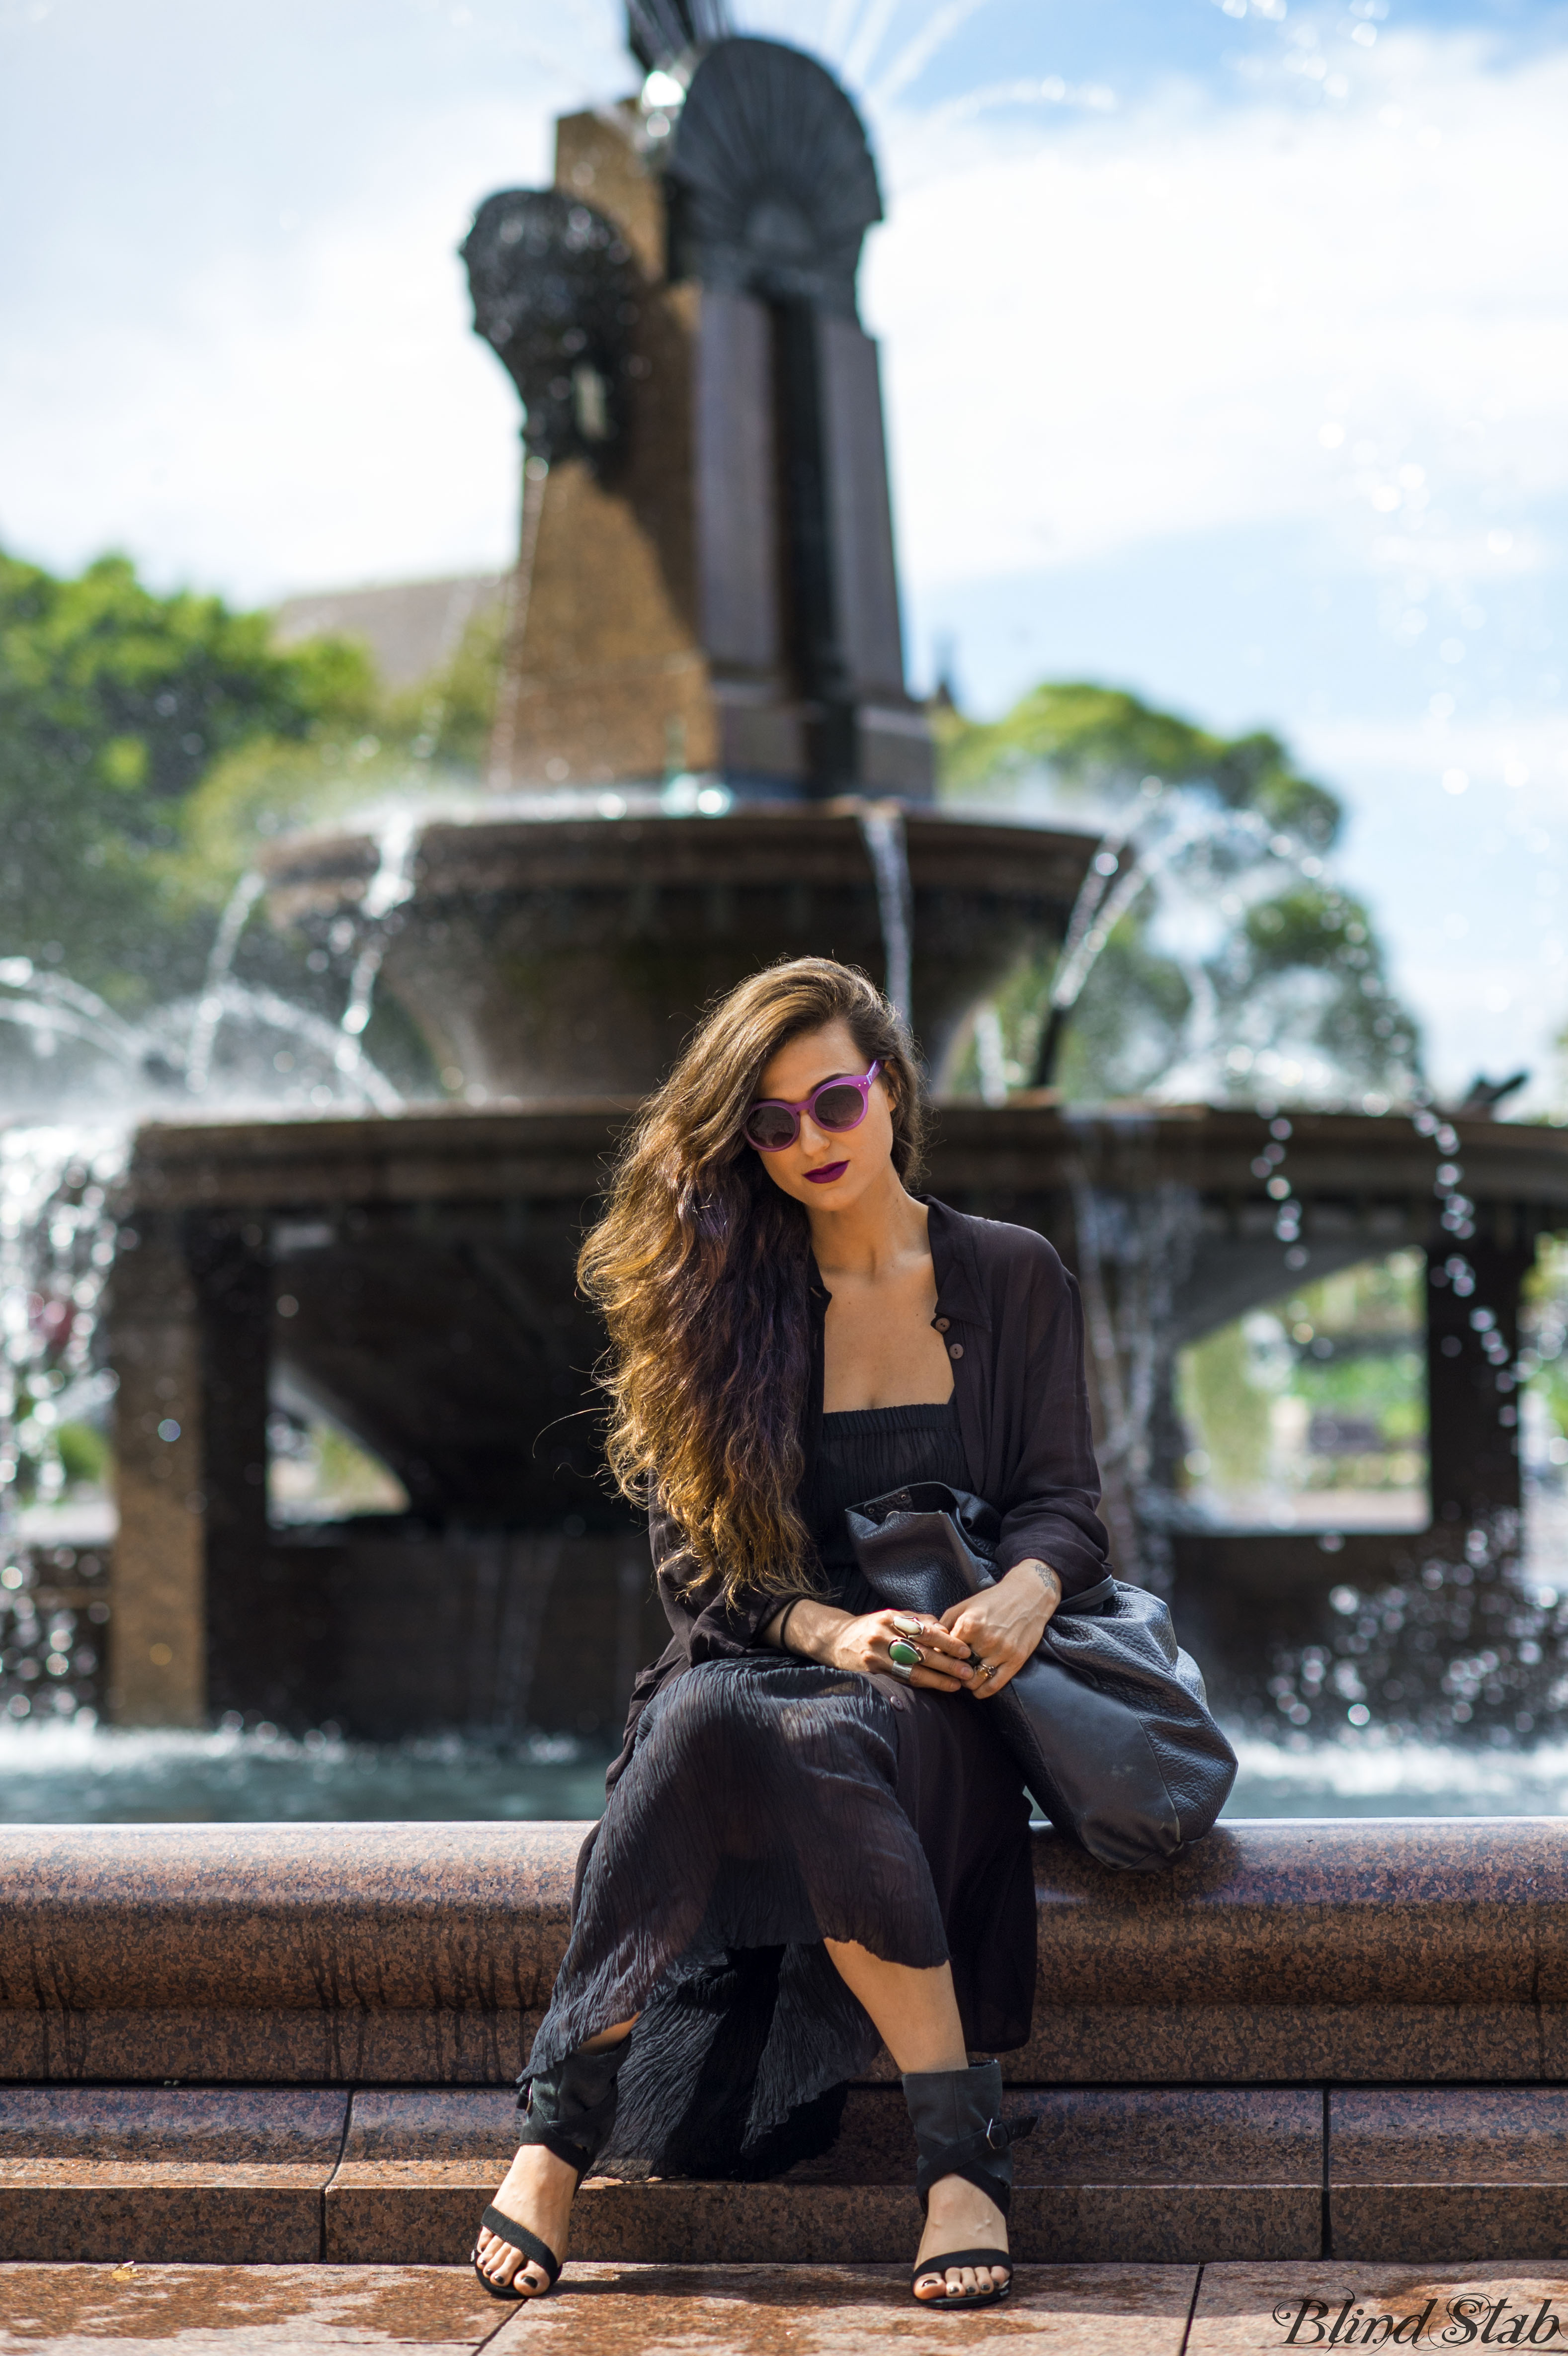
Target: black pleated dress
column 770, row 1804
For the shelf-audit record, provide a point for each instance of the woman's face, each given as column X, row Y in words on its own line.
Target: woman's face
column 827, row 1169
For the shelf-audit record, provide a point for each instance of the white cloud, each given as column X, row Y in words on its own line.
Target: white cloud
column 313, row 410
column 1141, row 327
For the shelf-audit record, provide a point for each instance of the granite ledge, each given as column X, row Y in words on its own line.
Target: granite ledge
column 419, row 1953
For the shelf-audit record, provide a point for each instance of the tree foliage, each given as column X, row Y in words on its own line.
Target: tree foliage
column 1245, row 969
column 114, row 702
column 1095, row 737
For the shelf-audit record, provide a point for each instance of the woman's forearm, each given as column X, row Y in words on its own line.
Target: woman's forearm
column 813, row 1627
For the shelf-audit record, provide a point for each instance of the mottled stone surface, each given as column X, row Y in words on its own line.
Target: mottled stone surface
column 423, row 1954
column 293, row 1952
column 1242, row 2309
column 1460, row 2172
column 295, row 2310
column 1110, row 2174
column 843, row 2312
column 599, row 2310
column 1378, row 1951
column 225, row 2177
column 416, row 2124
column 193, row 2124
column 419, row 2164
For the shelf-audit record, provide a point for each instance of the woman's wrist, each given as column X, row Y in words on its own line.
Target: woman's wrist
column 811, row 1626
column 1049, row 1580
column 1040, row 1585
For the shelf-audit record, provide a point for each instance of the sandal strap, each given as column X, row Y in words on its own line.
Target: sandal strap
column 968, row 2155
column 518, row 2237
column 960, row 2258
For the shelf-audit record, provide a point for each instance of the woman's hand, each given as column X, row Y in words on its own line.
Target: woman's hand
column 1003, row 1624
column 943, row 1658
column 821, row 1632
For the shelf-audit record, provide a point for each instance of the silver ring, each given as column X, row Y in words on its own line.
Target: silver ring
column 908, row 1625
column 905, row 1677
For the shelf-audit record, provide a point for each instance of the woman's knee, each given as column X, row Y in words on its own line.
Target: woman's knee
column 711, row 1719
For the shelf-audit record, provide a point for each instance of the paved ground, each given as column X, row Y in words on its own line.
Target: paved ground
column 643, row 2310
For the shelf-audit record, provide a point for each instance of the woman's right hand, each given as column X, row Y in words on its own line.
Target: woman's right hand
column 822, row 1633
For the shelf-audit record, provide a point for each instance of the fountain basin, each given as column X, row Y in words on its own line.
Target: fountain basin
column 566, row 956
column 414, row 1275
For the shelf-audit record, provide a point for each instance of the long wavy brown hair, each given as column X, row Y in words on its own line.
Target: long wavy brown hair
column 699, row 1268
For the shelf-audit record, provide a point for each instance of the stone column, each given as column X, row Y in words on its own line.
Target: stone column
column 234, row 1284
column 157, row 1628
column 188, row 1332
column 893, row 752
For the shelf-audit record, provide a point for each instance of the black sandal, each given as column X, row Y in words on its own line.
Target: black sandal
column 517, row 2237
column 572, row 2111
column 959, row 2131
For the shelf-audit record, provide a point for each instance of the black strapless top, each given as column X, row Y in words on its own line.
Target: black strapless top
column 863, row 1454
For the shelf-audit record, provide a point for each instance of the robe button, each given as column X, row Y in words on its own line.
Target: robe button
column 941, row 1324
column 956, row 1349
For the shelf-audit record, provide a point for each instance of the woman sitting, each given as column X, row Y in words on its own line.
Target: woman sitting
column 815, row 1843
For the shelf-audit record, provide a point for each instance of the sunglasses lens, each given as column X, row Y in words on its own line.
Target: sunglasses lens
column 772, row 1127
column 838, row 1107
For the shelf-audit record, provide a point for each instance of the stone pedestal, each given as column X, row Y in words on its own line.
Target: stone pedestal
column 719, row 596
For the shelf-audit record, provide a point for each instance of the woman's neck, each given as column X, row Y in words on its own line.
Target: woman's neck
column 880, row 1227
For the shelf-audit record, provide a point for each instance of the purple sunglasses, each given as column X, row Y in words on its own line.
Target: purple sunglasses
column 772, row 1123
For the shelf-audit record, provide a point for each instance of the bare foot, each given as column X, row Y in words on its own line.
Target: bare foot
column 960, row 2217
column 536, row 2190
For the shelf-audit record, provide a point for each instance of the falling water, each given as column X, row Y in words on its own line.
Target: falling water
column 57, row 1248
column 1104, row 903
column 54, row 1007
column 882, row 831
column 1133, row 1249
column 212, row 1004
column 396, row 846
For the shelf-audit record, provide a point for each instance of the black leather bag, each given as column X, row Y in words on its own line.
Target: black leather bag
column 1109, row 1722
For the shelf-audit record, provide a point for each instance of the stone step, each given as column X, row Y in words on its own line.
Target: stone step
column 1112, row 2174
column 1155, row 2174
column 223, row 2175
column 399, row 2175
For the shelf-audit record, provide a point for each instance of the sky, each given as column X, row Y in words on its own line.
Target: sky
column 1225, row 344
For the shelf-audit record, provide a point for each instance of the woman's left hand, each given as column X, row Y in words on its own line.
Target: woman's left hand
column 1003, row 1624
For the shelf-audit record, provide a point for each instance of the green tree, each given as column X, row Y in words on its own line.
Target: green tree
column 1100, row 737
column 114, row 702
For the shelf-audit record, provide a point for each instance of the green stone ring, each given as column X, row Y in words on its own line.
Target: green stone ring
column 904, row 1656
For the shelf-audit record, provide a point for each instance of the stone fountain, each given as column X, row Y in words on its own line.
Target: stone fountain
column 705, row 757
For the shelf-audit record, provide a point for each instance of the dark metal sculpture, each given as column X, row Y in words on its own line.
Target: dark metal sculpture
column 772, row 186
column 555, row 292
column 659, row 31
